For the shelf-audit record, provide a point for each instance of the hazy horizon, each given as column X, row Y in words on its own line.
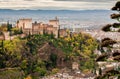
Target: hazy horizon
column 68, row 18
column 72, row 13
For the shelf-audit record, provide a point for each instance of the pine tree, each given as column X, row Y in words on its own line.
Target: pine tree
column 114, row 16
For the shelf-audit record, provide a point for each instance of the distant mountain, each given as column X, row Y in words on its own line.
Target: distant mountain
column 51, row 10
column 68, row 18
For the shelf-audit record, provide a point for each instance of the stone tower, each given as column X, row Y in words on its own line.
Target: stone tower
column 24, row 23
column 56, row 25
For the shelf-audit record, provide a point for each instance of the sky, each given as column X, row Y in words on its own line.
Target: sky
column 58, row 4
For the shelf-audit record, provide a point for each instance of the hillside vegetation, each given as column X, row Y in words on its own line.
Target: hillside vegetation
column 39, row 55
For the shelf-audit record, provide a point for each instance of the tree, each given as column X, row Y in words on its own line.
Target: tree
column 107, row 42
column 9, row 26
column 53, row 58
column 107, row 27
column 116, row 8
column 105, row 39
column 3, row 28
column 20, row 31
column 116, row 25
column 114, row 16
column 16, row 31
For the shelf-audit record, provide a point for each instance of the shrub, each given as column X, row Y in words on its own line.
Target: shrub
column 53, row 58
column 55, row 70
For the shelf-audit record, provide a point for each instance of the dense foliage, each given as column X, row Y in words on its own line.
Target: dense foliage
column 23, row 53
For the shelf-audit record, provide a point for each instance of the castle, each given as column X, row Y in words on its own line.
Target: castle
column 52, row 27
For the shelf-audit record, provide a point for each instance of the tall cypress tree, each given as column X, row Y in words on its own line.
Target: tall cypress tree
column 9, row 26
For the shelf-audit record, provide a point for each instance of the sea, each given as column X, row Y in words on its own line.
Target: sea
column 91, row 19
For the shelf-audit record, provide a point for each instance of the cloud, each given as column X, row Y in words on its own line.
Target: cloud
column 28, row 0
column 87, row 0
column 56, row 4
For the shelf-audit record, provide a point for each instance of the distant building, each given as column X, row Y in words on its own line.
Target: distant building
column 27, row 26
column 24, row 23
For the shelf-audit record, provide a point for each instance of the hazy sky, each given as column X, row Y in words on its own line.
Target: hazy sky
column 57, row 4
